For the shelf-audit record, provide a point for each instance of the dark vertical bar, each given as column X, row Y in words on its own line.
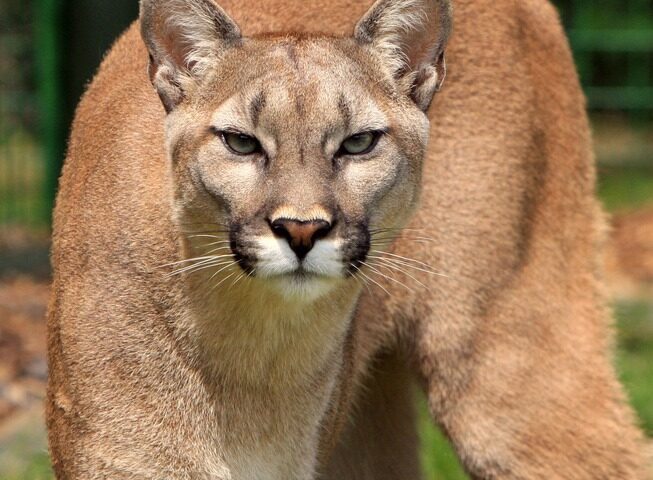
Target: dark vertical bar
column 83, row 29
column 638, row 65
column 91, row 28
column 583, row 56
column 5, row 196
column 48, row 19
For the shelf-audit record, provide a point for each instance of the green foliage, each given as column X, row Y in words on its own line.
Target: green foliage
column 38, row 468
column 438, row 457
column 21, row 181
column 23, row 455
column 608, row 14
column 635, row 357
column 626, row 187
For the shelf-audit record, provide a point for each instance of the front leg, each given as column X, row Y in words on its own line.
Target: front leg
column 531, row 396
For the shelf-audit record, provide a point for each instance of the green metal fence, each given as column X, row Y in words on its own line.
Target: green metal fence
column 613, row 47
column 49, row 49
column 22, row 197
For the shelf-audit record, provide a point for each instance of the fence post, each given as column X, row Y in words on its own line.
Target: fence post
column 48, row 17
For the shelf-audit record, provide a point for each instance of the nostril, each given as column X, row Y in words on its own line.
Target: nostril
column 322, row 229
column 278, row 227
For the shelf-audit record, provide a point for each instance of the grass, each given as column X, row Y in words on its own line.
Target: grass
column 635, row 357
column 24, row 456
column 439, row 461
column 37, row 467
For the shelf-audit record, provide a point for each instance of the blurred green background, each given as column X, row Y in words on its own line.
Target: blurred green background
column 49, row 50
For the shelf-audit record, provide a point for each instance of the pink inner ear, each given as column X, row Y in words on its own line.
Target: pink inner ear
column 175, row 46
column 410, row 33
column 421, row 47
column 416, row 56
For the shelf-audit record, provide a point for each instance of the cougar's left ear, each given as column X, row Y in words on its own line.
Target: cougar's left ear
column 410, row 36
column 183, row 38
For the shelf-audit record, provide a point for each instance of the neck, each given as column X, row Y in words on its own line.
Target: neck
column 254, row 333
column 272, row 363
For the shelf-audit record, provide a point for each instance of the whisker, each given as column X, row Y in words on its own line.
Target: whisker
column 199, row 266
column 194, row 259
column 221, row 269
column 396, row 229
column 213, row 230
column 401, row 270
column 428, row 268
column 218, row 249
column 372, row 280
column 406, row 259
column 362, row 283
column 402, row 237
column 221, row 281
column 204, row 223
column 216, row 243
column 359, row 280
column 378, row 272
column 205, row 236
column 236, row 281
column 390, row 241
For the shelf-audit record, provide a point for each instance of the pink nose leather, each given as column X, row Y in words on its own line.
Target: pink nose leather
column 301, row 235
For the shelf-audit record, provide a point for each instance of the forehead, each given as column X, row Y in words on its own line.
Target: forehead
column 308, row 80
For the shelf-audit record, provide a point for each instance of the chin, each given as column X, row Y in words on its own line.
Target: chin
column 303, row 286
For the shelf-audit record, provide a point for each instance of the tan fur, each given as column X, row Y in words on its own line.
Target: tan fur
column 157, row 376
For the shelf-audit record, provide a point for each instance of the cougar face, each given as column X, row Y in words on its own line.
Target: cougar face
column 299, row 163
column 291, row 152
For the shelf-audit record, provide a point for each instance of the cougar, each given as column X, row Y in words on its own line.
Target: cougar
column 248, row 286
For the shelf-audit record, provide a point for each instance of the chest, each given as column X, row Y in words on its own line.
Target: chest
column 259, row 434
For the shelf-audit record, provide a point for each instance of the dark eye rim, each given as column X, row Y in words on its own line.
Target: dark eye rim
column 377, row 134
column 223, row 133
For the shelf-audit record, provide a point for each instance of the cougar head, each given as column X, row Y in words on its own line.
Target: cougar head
column 291, row 152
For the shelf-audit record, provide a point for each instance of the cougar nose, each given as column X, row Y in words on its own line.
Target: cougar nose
column 301, row 235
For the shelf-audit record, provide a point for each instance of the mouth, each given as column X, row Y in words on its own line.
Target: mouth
column 301, row 284
column 273, row 259
column 253, row 266
column 302, row 273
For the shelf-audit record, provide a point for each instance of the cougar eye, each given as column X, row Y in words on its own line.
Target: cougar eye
column 360, row 143
column 240, row 144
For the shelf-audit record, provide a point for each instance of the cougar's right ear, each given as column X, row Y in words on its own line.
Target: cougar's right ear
column 183, row 38
column 410, row 37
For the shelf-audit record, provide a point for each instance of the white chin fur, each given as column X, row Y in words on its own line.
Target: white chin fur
column 274, row 257
column 322, row 266
column 325, row 258
column 303, row 288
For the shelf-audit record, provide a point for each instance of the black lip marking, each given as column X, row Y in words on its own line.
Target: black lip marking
column 354, row 255
column 244, row 260
column 358, row 247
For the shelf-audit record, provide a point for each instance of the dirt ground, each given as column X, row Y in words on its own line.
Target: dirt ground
column 24, row 296
column 23, row 368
